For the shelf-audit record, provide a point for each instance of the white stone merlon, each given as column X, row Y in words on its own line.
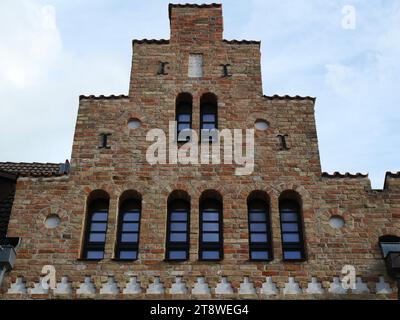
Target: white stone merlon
column 18, row 287
column 156, row 287
column 269, row 287
column 201, row 287
column 336, row 287
column 383, row 287
column 87, row 287
column 110, row 287
column 361, row 287
column 292, row 287
column 314, row 287
column 64, row 287
column 224, row 287
column 133, row 286
column 38, row 288
column 179, row 287
column 247, row 287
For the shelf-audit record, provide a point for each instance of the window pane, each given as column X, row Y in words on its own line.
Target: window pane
column 178, row 237
column 209, row 117
column 289, row 216
column 257, row 217
column 291, row 237
column 210, row 255
column 184, row 126
column 99, row 216
column 258, row 237
column 210, row 237
column 132, row 227
column 178, row 226
column 131, row 217
column 210, row 226
column 210, row 216
column 128, row 255
column 98, row 227
column 290, row 227
column 97, row 237
column 259, row 255
column 258, row 227
column 129, row 237
column 184, row 118
column 292, row 255
column 178, row 216
column 208, row 126
column 177, row 255
column 95, row 255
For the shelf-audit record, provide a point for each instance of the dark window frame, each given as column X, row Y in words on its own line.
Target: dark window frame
column 184, row 106
column 178, row 246
column 208, row 106
column 128, row 206
column 295, row 207
column 215, row 205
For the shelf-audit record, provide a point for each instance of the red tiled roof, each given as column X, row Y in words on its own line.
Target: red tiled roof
column 102, row 97
column 339, row 175
column 35, row 169
column 241, row 41
column 277, row 97
column 150, row 41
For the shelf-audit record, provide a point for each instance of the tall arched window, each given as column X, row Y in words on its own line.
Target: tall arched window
column 208, row 113
column 184, row 106
column 96, row 225
column 291, row 226
column 260, row 238
column 178, row 227
column 211, row 227
column 128, row 226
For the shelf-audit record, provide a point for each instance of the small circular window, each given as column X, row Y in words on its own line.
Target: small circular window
column 134, row 123
column 336, row 222
column 52, row 221
column 261, row 125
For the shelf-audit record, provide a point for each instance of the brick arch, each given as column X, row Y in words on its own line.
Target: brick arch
column 247, row 189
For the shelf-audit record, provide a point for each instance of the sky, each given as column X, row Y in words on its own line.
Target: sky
column 344, row 53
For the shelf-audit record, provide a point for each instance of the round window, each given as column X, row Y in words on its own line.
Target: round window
column 336, row 222
column 134, row 123
column 52, row 221
column 261, row 125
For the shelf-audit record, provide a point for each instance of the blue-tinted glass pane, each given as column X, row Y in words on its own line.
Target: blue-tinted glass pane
column 258, row 237
column 257, row 217
column 292, row 255
column 290, row 227
column 210, row 226
column 129, row 237
column 178, row 226
column 210, row 216
column 178, row 216
column 210, row 255
column 291, row 237
column 259, row 255
column 288, row 216
column 95, row 255
column 184, row 126
column 128, row 255
column 208, row 126
column 102, row 227
column 258, row 227
column 209, row 117
column 178, row 237
column 99, row 216
column 184, row 118
column 130, row 227
column 177, row 255
column 210, row 237
column 131, row 216
column 97, row 237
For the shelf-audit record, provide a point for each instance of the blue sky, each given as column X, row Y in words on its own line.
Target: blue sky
column 52, row 51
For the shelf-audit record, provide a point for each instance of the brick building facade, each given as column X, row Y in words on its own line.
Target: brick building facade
column 196, row 67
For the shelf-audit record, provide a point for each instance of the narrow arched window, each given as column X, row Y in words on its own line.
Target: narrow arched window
column 178, row 226
column 96, row 226
column 211, row 228
column 292, row 229
column 129, row 227
column 260, row 239
column 184, row 106
column 208, row 115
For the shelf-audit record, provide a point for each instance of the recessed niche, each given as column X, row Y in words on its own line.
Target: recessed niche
column 134, row 123
column 336, row 222
column 52, row 221
column 261, row 125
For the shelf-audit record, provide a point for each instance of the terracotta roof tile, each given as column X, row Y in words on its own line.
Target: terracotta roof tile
column 150, row 41
column 338, row 175
column 35, row 169
column 102, row 97
column 277, row 97
column 241, row 41
column 394, row 175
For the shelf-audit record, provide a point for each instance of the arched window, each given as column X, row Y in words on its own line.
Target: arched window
column 291, row 227
column 178, row 226
column 260, row 239
column 184, row 106
column 128, row 226
column 211, row 228
column 96, row 225
column 208, row 113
